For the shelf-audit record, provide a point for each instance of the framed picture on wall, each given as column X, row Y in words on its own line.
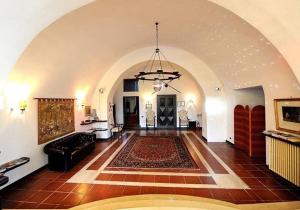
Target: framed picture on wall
column 87, row 111
column 287, row 112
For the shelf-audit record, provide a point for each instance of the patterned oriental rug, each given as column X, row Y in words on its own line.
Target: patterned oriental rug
column 154, row 152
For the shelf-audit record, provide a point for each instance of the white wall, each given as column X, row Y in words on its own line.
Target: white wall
column 250, row 96
column 19, row 138
column 246, row 96
column 187, row 85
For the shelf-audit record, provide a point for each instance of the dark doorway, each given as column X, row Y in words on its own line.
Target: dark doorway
column 166, row 111
column 131, row 111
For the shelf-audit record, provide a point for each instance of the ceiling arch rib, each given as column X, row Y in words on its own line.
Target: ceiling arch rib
column 15, row 22
column 87, row 41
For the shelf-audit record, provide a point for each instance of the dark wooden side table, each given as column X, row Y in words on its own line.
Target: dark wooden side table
column 192, row 125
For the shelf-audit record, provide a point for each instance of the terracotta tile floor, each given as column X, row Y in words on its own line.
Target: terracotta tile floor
column 48, row 189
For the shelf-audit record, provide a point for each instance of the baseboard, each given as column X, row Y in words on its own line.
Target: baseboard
column 228, row 142
column 204, row 138
column 23, row 178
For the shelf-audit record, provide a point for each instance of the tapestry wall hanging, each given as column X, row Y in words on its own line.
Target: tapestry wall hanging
column 55, row 118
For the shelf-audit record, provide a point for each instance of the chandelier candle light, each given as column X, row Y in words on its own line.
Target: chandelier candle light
column 160, row 77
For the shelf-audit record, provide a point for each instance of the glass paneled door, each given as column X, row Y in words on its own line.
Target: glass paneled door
column 166, row 111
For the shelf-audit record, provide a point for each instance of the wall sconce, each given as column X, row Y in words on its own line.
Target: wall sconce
column 80, row 97
column 23, row 105
column 17, row 95
column 148, row 105
column 80, row 105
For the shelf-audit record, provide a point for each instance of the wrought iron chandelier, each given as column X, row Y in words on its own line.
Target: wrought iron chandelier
column 160, row 77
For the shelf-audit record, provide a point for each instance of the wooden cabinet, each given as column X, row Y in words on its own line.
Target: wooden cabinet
column 249, row 123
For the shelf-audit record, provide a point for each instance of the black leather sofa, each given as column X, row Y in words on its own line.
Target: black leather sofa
column 65, row 152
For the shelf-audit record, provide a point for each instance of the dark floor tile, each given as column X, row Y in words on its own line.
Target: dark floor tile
column 67, row 187
column 221, row 194
column 284, row 195
column 8, row 204
column 259, row 173
column 39, row 196
column 237, row 195
column 98, row 188
column 148, row 190
column 165, row 190
column 177, row 179
column 132, row 178
column 18, row 195
column 53, row 186
column 266, row 195
column 105, row 177
column 270, row 182
column 72, row 199
column 118, row 177
column 296, row 192
column 244, row 173
column 192, row 180
column 90, row 198
column 132, row 190
column 184, row 191
column 162, row 179
column 206, row 193
column 253, row 182
column 207, row 180
column 56, row 198
column 47, row 206
column 28, row 205
column 147, row 178
column 82, row 188
column 113, row 191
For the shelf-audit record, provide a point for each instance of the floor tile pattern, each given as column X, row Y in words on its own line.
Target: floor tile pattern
column 48, row 189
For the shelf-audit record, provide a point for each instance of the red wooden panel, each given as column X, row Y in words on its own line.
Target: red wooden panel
column 257, row 126
column 241, row 128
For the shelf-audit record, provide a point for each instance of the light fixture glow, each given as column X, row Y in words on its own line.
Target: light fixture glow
column 17, row 95
column 80, row 97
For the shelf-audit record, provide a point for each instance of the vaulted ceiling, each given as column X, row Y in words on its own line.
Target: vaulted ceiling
column 78, row 48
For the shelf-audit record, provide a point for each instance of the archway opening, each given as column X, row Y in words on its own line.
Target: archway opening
column 189, row 96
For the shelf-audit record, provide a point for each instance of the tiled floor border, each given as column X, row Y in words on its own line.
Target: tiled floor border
column 227, row 181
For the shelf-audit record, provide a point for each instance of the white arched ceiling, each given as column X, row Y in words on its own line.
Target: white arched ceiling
column 81, row 46
column 21, row 22
column 277, row 20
